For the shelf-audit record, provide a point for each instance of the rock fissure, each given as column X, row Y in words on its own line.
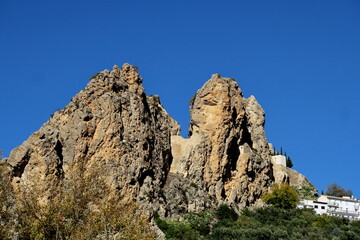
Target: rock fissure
column 19, row 168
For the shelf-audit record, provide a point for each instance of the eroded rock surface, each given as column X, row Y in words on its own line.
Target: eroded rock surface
column 114, row 127
column 227, row 153
column 290, row 176
column 111, row 125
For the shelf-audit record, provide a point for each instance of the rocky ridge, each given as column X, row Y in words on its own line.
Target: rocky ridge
column 113, row 126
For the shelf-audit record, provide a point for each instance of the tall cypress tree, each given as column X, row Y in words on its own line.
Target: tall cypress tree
column 289, row 163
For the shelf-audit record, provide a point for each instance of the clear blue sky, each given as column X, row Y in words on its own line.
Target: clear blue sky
column 301, row 60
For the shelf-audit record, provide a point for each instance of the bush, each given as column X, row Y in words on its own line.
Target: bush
column 200, row 222
column 282, row 196
column 177, row 230
column 263, row 223
column 79, row 209
column 306, row 192
column 224, row 212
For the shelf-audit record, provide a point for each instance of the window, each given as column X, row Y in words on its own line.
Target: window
column 316, row 206
column 322, row 207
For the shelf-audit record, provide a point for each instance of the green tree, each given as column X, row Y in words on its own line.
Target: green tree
column 274, row 152
column 282, row 196
column 289, row 163
column 337, row 191
column 224, row 212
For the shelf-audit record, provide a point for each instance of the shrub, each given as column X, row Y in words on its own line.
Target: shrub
column 306, row 192
column 282, row 196
column 79, row 209
column 177, row 230
column 224, row 212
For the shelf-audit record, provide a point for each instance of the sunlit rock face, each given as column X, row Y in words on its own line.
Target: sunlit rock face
column 227, row 153
column 111, row 125
column 133, row 143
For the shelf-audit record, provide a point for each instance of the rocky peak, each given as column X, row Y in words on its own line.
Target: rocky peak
column 111, row 125
column 227, row 152
column 114, row 127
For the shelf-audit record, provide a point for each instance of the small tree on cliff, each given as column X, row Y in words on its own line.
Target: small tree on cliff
column 282, row 196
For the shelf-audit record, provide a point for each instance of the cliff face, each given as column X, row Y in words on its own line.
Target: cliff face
column 227, row 153
column 113, row 126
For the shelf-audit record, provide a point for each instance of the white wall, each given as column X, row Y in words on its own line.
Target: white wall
column 279, row 159
column 334, row 206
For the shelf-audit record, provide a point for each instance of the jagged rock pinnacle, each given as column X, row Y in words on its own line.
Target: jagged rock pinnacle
column 227, row 152
column 110, row 123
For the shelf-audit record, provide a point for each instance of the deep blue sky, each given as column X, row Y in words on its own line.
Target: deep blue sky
column 301, row 60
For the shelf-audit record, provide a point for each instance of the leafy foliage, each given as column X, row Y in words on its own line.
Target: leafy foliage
column 289, row 163
column 195, row 226
column 307, row 192
column 282, row 196
column 79, row 209
column 224, row 212
column 337, row 191
column 266, row 223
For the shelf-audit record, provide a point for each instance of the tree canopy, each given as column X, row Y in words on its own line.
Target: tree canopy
column 258, row 224
column 337, row 191
column 282, row 196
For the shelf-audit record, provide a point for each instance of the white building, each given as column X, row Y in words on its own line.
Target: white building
column 334, row 206
column 279, row 159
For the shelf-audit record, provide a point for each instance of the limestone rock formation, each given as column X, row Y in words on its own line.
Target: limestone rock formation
column 111, row 125
column 283, row 174
column 227, row 152
column 114, row 127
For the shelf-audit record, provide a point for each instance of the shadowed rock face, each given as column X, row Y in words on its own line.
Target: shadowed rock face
column 113, row 126
column 227, row 152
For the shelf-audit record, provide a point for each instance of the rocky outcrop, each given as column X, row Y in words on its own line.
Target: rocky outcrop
column 227, row 152
column 111, row 125
column 283, row 174
column 134, row 144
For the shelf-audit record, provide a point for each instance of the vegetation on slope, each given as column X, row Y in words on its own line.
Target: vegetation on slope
column 79, row 209
column 282, row 196
column 281, row 220
column 264, row 223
